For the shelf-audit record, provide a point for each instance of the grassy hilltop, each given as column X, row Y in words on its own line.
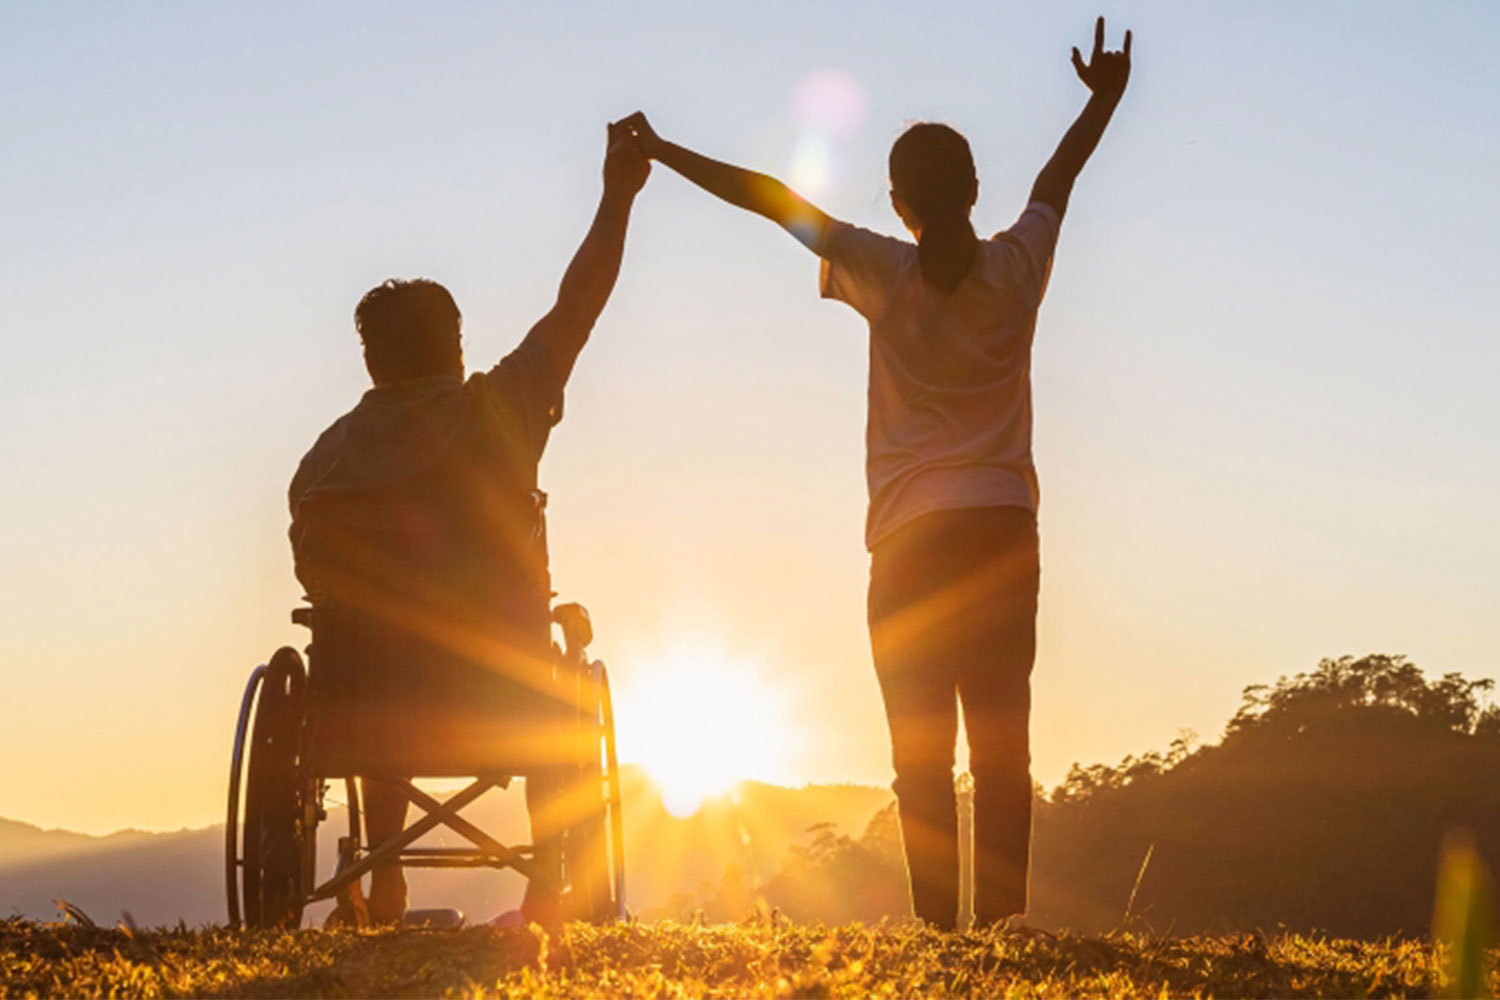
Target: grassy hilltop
column 668, row 960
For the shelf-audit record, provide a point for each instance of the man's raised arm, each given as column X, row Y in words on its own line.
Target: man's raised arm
column 590, row 277
column 754, row 192
column 1105, row 75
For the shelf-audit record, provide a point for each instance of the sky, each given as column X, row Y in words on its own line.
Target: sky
column 1266, row 421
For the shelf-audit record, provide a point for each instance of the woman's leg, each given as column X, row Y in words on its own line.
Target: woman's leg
column 994, row 683
column 907, row 637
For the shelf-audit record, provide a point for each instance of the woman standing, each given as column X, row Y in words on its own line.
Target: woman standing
column 953, row 491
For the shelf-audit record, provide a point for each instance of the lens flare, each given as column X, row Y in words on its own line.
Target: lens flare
column 828, row 106
column 830, row 101
column 812, row 164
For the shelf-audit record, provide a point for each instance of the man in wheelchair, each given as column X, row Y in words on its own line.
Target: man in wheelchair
column 417, row 531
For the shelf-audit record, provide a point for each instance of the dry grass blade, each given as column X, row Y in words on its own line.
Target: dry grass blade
column 1130, row 903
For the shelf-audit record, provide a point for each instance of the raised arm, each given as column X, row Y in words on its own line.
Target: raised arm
column 590, row 277
column 1105, row 75
column 746, row 189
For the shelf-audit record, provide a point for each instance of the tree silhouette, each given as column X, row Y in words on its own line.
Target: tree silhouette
column 1323, row 807
column 837, row 879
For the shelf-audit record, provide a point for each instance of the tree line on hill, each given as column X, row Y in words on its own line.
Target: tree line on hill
column 1322, row 808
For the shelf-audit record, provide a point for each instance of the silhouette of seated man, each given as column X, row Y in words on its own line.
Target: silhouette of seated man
column 417, row 530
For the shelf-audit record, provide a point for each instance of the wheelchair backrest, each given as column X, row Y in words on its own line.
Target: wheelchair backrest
column 430, row 613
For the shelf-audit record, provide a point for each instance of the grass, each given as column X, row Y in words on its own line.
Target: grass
column 675, row 960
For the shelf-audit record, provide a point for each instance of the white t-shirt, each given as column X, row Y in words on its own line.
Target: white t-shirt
column 950, row 374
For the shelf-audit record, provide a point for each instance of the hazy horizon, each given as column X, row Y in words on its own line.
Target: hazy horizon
column 1265, row 419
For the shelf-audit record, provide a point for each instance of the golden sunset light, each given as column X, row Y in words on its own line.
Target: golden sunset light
column 699, row 721
column 709, row 499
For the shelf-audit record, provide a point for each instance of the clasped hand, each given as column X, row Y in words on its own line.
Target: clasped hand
column 626, row 165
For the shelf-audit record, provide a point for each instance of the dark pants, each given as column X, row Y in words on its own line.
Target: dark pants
column 953, row 618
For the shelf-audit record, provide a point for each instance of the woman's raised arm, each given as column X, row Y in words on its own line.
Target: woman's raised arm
column 758, row 193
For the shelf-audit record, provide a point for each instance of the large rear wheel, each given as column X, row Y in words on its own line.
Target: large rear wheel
column 232, row 859
column 587, row 858
column 613, row 797
column 279, row 808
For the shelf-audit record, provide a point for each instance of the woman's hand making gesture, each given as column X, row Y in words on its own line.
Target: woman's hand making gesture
column 1106, row 72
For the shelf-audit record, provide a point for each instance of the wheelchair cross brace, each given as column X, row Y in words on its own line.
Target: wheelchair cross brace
column 487, row 850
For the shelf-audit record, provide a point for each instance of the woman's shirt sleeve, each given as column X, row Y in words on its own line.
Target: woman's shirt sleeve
column 1030, row 244
column 860, row 267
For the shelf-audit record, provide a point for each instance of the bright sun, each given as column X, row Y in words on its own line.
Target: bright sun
column 699, row 723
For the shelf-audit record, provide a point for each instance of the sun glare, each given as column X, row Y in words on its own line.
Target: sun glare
column 828, row 106
column 699, row 722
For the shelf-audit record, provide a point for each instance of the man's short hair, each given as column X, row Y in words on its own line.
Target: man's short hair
column 410, row 329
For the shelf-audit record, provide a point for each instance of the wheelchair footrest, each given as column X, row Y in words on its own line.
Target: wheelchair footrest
column 435, row 919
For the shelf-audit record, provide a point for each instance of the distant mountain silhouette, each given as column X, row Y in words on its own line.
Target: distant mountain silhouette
column 162, row 878
column 23, row 842
column 159, row 878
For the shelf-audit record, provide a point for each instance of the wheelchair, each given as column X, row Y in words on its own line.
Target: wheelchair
column 373, row 701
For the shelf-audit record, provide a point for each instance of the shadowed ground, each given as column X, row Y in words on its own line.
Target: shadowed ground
column 667, row 959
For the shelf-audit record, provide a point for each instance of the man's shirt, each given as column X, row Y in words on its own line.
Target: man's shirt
column 397, row 431
column 445, row 467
